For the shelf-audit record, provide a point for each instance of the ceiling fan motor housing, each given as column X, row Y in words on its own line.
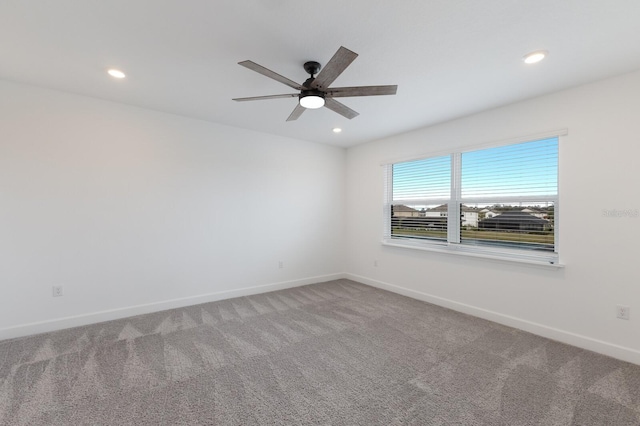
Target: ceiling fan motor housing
column 312, row 67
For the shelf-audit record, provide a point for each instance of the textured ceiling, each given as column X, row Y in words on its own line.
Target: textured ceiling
column 449, row 58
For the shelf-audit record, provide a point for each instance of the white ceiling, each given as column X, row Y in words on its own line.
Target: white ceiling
column 449, row 58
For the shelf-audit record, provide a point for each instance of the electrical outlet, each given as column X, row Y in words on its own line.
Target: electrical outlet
column 281, row 264
column 622, row 312
column 57, row 291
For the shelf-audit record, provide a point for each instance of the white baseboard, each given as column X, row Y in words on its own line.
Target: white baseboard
column 584, row 342
column 112, row 314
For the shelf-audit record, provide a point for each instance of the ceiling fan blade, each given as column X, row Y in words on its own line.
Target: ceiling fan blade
column 343, row 92
column 271, row 74
column 336, row 65
column 341, row 109
column 259, row 98
column 297, row 112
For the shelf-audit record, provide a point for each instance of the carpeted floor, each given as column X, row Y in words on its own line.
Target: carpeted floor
column 336, row 353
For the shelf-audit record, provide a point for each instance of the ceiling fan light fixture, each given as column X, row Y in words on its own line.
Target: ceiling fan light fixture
column 312, row 99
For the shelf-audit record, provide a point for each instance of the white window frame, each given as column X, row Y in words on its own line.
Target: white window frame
column 452, row 245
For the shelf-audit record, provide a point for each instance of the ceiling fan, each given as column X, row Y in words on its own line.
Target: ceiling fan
column 315, row 91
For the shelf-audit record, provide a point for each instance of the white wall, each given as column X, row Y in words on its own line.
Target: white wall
column 133, row 210
column 599, row 168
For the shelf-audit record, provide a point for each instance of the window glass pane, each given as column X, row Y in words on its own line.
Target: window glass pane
column 520, row 170
column 527, row 226
column 426, row 222
column 422, row 179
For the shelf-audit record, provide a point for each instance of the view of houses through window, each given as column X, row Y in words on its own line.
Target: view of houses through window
column 506, row 198
column 499, row 225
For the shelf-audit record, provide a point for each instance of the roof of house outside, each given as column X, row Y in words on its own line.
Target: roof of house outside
column 403, row 208
column 444, row 208
column 515, row 216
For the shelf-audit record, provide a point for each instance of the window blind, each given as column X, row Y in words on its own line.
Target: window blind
column 526, row 171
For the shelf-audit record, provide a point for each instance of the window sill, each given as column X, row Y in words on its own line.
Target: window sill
column 447, row 249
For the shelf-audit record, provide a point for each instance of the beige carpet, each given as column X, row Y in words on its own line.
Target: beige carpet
column 337, row 353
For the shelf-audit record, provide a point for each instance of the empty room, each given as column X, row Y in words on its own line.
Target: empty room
column 286, row 212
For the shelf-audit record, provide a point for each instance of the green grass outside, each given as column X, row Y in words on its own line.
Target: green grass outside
column 478, row 235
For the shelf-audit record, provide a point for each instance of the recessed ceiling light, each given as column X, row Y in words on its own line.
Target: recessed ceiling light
column 337, row 130
column 116, row 73
column 534, row 57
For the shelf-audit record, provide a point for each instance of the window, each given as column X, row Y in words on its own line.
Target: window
column 497, row 202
